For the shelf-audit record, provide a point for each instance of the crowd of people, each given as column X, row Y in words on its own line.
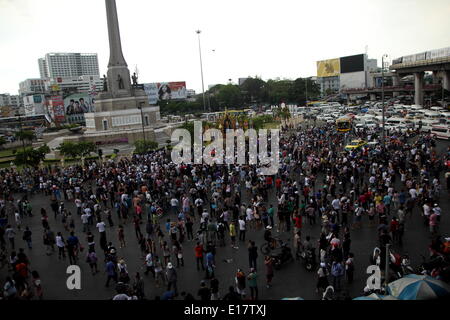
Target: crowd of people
column 171, row 207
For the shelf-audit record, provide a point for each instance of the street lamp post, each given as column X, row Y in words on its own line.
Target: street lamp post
column 442, row 89
column 382, row 99
column 201, row 69
column 142, row 120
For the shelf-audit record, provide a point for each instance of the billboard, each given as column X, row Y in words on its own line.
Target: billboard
column 164, row 91
column 353, row 80
column 328, row 68
column 78, row 104
column 352, row 63
column 59, row 114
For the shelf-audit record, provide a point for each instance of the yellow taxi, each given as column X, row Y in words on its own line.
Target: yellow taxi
column 355, row 144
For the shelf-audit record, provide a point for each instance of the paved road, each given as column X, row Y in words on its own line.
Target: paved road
column 291, row 281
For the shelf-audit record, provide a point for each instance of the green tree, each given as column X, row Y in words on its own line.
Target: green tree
column 278, row 91
column 69, row 149
column 25, row 135
column 31, row 156
column 254, row 90
column 283, row 113
column 77, row 149
column 86, row 147
column 142, row 146
column 229, row 96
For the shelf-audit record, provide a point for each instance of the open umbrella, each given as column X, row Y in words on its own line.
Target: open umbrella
column 418, row 287
column 295, row 298
column 375, row 296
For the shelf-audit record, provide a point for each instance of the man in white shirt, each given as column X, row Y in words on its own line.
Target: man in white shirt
column 88, row 212
column 205, row 216
column 85, row 222
column 78, row 204
column 101, row 226
column 242, row 228
column 149, row 264
column 413, row 193
column 199, row 205
column 174, row 205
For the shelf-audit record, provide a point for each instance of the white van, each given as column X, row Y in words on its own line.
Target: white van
column 438, row 109
column 427, row 124
column 397, row 121
column 416, row 107
column 441, row 132
column 421, row 112
column 433, row 115
column 445, row 115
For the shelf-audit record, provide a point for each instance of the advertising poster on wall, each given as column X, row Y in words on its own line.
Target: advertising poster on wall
column 79, row 103
column 151, row 89
column 58, row 109
column 165, row 91
column 328, row 68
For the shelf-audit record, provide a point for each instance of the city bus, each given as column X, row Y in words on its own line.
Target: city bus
column 344, row 124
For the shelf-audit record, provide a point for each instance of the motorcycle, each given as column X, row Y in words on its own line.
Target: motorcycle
column 406, row 265
column 281, row 256
column 309, row 260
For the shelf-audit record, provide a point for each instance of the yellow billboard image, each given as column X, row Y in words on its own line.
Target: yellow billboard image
column 328, row 68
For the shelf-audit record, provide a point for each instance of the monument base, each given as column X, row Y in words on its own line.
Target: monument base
column 129, row 111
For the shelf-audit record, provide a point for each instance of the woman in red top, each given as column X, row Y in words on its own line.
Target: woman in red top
column 393, row 228
column 199, row 256
column 297, row 222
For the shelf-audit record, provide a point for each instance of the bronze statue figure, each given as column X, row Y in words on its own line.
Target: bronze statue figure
column 105, row 84
column 120, row 80
column 135, row 79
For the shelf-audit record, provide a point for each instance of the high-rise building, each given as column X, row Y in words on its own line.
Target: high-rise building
column 75, row 84
column 31, row 86
column 62, row 65
column 43, row 68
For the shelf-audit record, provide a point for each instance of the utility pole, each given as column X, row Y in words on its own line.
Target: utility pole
column 382, row 99
column 201, row 69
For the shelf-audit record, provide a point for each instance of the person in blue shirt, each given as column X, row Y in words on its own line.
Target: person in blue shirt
column 72, row 247
column 111, row 272
column 209, row 265
column 387, row 202
column 337, row 271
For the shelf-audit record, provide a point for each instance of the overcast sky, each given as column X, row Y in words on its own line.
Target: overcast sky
column 282, row 38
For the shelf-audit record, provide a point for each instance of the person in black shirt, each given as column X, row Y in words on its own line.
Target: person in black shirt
column 252, row 254
column 204, row 292
column 232, row 295
column 187, row 296
column 214, row 289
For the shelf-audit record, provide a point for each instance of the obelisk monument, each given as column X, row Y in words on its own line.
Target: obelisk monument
column 117, row 66
column 122, row 107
